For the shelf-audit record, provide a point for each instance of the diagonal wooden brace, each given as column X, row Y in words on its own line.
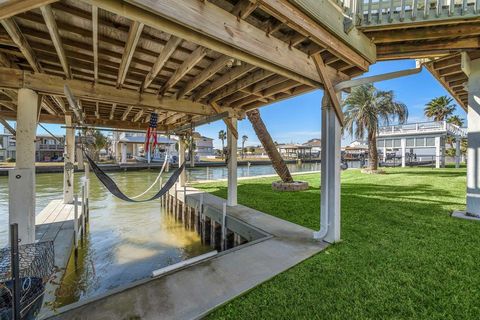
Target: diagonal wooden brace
column 229, row 123
column 328, row 86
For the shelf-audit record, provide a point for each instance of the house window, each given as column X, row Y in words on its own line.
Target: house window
column 420, row 142
column 430, row 142
column 388, row 143
column 410, row 142
column 381, row 143
column 397, row 143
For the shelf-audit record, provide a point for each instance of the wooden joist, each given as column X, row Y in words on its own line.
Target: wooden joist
column 254, row 77
column 11, row 8
column 14, row 32
column 167, row 51
column 225, row 79
column 95, row 42
column 53, row 85
column 138, row 116
column 112, row 111
column 126, row 113
column 49, row 18
column 244, row 8
column 206, row 74
column 134, row 33
column 240, row 40
column 184, row 68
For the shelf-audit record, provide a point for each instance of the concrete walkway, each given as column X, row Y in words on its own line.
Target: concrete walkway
column 192, row 292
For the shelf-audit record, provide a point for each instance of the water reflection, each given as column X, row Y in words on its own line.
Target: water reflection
column 126, row 241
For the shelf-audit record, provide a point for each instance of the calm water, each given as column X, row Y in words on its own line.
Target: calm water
column 126, row 241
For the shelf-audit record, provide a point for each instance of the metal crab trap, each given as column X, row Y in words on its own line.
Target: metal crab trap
column 35, row 265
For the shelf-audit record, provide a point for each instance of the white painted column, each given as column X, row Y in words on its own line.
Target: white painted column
column 403, row 144
column 437, row 152
column 473, row 154
column 123, row 158
column 384, row 154
column 458, row 151
column 181, row 159
column 232, row 165
column 330, row 171
column 21, row 181
column 68, row 160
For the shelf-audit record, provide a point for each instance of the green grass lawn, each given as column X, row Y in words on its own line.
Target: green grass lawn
column 401, row 257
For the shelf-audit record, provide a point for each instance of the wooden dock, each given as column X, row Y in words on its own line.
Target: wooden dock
column 56, row 223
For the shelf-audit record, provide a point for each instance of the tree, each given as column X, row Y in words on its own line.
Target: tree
column 269, row 146
column 244, row 139
column 95, row 142
column 439, row 108
column 456, row 120
column 366, row 108
column 222, row 135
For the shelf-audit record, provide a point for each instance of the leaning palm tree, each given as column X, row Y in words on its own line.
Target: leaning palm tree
column 456, row 120
column 269, row 146
column 244, row 139
column 366, row 108
column 222, row 135
column 439, row 108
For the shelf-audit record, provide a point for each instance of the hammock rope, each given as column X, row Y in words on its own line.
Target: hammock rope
column 115, row 190
column 156, row 180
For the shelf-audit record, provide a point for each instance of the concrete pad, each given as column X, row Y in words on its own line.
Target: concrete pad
column 463, row 215
column 192, row 292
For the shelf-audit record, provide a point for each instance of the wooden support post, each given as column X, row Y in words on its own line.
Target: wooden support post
column 473, row 155
column 181, row 160
column 224, row 227
column 21, row 180
column 75, row 223
column 69, row 161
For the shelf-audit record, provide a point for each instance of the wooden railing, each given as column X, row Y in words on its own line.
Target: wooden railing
column 366, row 13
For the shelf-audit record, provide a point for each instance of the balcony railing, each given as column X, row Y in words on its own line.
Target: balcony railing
column 424, row 127
column 365, row 13
column 52, row 147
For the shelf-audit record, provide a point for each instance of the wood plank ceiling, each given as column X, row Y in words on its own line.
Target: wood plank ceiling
column 73, row 40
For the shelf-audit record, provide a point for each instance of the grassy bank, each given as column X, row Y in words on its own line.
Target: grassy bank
column 402, row 255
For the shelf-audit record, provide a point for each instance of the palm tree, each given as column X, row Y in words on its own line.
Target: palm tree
column 366, row 108
column 269, row 146
column 439, row 108
column 244, row 139
column 456, row 120
column 222, row 135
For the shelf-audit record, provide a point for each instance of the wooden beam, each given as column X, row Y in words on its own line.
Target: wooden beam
column 97, row 110
column 49, row 18
column 440, row 46
column 7, row 126
column 254, row 77
column 95, row 42
column 280, row 87
column 328, row 87
column 126, row 112
column 228, row 77
column 60, row 103
column 134, row 33
column 172, row 119
column 92, row 121
column 428, row 33
column 138, row 116
column 11, row 8
column 112, row 111
column 167, row 51
column 187, row 65
column 227, row 121
column 302, row 23
column 54, row 85
column 244, row 8
column 206, row 74
column 199, row 22
column 22, row 43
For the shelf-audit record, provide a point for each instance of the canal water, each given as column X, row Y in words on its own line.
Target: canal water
column 126, row 241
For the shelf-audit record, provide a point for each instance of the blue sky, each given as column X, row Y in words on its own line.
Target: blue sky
column 299, row 119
